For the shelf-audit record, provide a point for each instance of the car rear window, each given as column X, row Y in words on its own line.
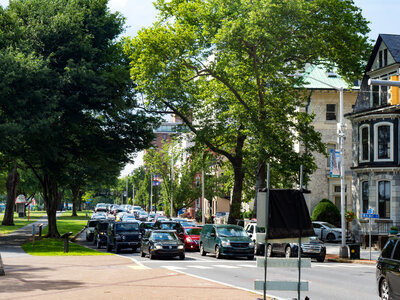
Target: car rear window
column 164, row 236
column 387, row 250
column 168, row 226
column 193, row 231
column 93, row 223
column 127, row 227
column 103, row 226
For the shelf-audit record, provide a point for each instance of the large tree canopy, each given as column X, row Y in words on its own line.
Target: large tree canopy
column 66, row 93
column 229, row 69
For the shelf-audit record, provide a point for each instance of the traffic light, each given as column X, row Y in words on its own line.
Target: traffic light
column 394, row 91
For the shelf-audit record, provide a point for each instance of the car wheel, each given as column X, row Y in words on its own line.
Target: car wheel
column 320, row 258
column 269, row 250
column 116, row 249
column 202, row 252
column 250, row 257
column 142, row 254
column 182, row 256
column 109, row 248
column 384, row 290
column 288, row 252
column 330, row 237
column 218, row 252
column 98, row 245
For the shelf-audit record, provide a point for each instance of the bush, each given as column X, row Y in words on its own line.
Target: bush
column 326, row 211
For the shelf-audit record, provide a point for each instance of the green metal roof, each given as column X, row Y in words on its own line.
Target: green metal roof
column 317, row 77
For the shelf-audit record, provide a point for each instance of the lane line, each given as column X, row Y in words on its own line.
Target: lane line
column 248, row 266
column 226, row 266
column 200, row 267
column 173, row 268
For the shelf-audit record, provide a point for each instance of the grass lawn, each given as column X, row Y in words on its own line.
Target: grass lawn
column 55, row 247
column 20, row 222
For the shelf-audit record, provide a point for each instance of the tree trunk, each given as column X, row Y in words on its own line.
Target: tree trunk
column 51, row 196
column 80, row 200
column 75, row 194
column 260, row 183
column 11, row 185
column 234, row 212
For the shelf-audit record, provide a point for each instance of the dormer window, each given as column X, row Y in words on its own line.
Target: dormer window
column 379, row 94
column 382, row 58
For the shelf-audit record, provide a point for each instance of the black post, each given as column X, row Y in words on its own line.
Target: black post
column 266, row 235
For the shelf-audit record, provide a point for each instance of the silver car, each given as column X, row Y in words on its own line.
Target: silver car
column 327, row 232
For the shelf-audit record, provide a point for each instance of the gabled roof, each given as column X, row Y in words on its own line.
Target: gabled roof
column 317, row 77
column 392, row 41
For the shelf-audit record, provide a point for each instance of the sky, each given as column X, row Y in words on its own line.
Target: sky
column 382, row 14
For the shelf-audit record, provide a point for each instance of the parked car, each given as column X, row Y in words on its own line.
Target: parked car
column 327, row 232
column 252, row 229
column 224, row 239
column 91, row 224
column 128, row 218
column 142, row 216
column 99, row 216
column 162, row 243
column 123, row 235
column 190, row 236
column 101, row 207
column 388, row 270
column 314, row 249
column 100, row 234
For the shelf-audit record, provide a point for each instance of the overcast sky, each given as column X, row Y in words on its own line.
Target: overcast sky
column 382, row 14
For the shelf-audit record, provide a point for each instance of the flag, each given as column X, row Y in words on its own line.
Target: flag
column 334, row 163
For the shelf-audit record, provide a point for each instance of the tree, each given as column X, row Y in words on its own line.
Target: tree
column 66, row 92
column 231, row 67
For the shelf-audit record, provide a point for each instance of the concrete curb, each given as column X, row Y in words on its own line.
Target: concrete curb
column 337, row 259
column 73, row 239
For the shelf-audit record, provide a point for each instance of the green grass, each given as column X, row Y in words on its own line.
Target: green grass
column 66, row 223
column 55, row 247
column 20, row 222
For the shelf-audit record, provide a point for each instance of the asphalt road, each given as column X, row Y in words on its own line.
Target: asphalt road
column 328, row 280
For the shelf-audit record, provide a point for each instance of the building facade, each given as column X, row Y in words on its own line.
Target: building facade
column 375, row 143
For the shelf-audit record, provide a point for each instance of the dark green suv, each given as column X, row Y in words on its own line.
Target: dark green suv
column 225, row 240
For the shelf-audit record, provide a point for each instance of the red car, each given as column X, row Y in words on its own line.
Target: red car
column 190, row 237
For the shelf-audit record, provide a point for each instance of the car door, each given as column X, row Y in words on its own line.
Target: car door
column 317, row 230
column 145, row 242
column 393, row 272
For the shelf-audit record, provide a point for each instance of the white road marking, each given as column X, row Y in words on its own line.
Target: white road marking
column 173, row 268
column 248, row 266
column 200, row 267
column 226, row 266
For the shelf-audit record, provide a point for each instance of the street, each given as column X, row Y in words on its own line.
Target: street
column 328, row 280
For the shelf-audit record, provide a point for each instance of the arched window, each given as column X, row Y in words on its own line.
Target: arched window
column 383, row 142
column 384, row 195
column 364, row 143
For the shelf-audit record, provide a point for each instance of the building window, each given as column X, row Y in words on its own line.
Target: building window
column 329, row 147
column 383, row 142
column 164, row 136
column 380, row 61
column 365, row 196
column 375, row 95
column 384, row 199
column 385, row 57
column 364, row 143
column 331, row 112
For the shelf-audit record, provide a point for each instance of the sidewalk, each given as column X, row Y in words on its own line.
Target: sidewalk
column 333, row 255
column 96, row 277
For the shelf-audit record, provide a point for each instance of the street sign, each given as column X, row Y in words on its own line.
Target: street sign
column 370, row 216
column 370, row 211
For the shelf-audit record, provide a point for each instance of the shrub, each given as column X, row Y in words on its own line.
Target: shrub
column 326, row 211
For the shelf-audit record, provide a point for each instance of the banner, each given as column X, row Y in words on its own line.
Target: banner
column 334, row 166
column 156, row 180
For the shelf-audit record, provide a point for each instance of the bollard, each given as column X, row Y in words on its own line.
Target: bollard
column 65, row 237
column 40, row 229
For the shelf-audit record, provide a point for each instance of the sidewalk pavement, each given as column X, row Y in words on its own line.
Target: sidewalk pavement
column 96, row 277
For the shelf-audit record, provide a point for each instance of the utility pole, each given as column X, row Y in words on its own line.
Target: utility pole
column 172, row 183
column 203, row 211
column 127, row 178
column 151, row 192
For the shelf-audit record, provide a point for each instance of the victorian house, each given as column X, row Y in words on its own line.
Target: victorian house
column 375, row 141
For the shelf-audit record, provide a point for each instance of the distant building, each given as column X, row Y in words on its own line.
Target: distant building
column 375, row 143
column 323, row 101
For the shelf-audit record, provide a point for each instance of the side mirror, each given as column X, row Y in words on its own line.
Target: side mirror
column 212, row 234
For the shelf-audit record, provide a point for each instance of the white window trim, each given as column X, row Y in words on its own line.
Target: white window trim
column 377, row 198
column 360, row 143
column 376, row 141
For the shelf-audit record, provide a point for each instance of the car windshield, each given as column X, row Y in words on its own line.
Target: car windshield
column 163, row 236
column 103, row 226
column 93, row 223
column 168, row 226
column 231, row 231
column 192, row 231
column 127, row 227
column 147, row 225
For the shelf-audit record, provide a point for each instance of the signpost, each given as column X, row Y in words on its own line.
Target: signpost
column 370, row 215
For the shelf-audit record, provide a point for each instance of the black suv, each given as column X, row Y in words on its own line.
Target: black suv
column 388, row 270
column 100, row 234
column 168, row 225
column 123, row 235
